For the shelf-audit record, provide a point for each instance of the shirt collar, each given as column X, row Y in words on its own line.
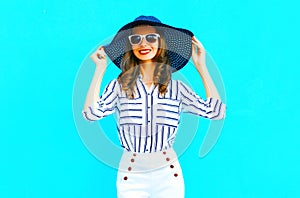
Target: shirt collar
column 140, row 77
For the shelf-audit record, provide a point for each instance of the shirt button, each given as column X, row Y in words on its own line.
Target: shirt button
column 148, row 94
column 148, row 107
column 148, row 120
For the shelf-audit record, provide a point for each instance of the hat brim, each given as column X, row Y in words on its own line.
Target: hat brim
column 178, row 40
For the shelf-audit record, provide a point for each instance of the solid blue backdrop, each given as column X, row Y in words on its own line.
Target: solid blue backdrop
column 253, row 43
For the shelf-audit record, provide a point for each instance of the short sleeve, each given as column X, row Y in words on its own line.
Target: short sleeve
column 211, row 108
column 106, row 104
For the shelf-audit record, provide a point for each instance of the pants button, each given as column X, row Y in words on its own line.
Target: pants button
column 125, row 178
column 175, row 174
column 172, row 166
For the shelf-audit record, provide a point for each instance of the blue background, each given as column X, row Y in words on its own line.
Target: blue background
column 254, row 43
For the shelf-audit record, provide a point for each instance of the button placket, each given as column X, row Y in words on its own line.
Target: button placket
column 149, row 108
column 171, row 165
column 149, row 117
column 130, row 168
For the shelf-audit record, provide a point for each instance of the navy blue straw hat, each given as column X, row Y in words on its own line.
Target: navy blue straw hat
column 178, row 40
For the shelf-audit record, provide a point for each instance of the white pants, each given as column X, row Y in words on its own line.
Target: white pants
column 150, row 175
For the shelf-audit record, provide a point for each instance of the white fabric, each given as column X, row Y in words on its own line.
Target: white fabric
column 151, row 175
column 149, row 122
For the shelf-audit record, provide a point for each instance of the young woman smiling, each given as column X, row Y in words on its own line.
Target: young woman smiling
column 148, row 102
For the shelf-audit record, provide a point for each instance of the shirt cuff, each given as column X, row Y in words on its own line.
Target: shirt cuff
column 219, row 109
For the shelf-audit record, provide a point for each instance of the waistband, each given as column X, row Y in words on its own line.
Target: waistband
column 143, row 162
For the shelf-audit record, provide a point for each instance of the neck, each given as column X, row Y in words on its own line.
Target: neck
column 147, row 70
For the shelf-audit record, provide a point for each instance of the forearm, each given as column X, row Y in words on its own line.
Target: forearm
column 210, row 88
column 94, row 89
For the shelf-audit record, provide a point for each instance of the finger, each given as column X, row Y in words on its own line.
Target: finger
column 102, row 51
column 197, row 47
column 195, row 39
column 96, row 55
column 194, row 46
column 198, row 42
column 100, row 56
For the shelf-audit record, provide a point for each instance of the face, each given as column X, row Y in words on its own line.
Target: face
column 145, row 51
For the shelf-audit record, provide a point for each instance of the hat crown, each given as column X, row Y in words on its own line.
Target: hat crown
column 147, row 18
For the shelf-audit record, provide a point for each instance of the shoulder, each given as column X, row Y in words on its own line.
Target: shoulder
column 185, row 89
column 113, row 85
column 181, row 84
column 175, row 82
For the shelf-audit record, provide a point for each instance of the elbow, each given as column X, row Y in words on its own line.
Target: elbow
column 91, row 115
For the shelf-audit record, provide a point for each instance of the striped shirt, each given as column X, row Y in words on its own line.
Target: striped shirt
column 149, row 122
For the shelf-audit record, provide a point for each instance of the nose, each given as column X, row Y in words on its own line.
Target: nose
column 143, row 42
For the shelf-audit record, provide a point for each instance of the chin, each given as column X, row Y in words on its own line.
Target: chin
column 146, row 58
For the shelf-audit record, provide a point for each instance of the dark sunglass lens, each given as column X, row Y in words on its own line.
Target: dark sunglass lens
column 151, row 38
column 135, row 39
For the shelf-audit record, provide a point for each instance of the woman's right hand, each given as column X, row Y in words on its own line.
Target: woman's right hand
column 99, row 57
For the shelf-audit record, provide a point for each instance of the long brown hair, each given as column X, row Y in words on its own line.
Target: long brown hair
column 130, row 67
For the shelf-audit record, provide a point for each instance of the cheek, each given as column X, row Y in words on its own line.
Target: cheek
column 135, row 52
column 155, row 48
column 155, row 51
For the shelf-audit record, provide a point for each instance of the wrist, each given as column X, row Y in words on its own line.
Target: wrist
column 201, row 67
column 100, row 67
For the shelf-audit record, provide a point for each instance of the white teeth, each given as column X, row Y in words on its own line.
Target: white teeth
column 145, row 51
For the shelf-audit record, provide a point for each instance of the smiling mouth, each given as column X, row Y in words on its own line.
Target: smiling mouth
column 144, row 51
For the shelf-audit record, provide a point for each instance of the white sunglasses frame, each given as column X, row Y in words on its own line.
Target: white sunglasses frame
column 143, row 37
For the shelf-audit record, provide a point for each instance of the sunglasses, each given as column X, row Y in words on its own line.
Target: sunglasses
column 136, row 39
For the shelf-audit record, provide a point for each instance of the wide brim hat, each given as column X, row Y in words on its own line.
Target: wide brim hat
column 178, row 41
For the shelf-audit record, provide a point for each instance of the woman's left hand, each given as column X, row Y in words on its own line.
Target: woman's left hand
column 198, row 53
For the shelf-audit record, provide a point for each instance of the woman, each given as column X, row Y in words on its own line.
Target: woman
column 148, row 102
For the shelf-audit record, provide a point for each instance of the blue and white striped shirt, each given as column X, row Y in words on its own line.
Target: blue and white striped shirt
column 149, row 122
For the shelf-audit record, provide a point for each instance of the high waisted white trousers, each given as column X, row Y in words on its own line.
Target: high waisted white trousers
column 150, row 175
